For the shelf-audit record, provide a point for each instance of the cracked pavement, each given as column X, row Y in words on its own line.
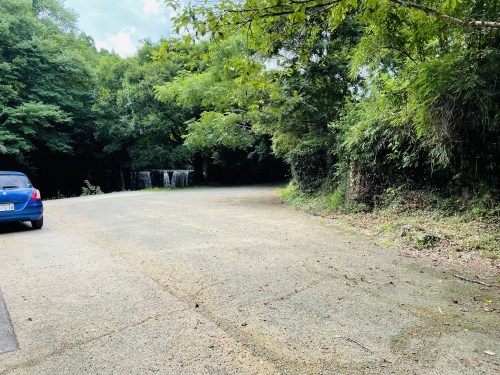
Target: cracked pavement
column 229, row 281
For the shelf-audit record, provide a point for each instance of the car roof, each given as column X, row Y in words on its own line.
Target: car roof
column 12, row 173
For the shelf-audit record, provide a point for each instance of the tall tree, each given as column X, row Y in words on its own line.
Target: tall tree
column 45, row 85
column 136, row 130
column 425, row 107
column 223, row 95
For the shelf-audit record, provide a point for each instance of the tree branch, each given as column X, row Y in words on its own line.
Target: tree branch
column 450, row 19
column 281, row 9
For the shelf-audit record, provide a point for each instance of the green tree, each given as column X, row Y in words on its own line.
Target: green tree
column 46, row 84
column 217, row 97
column 224, row 93
column 428, row 114
column 135, row 129
column 45, row 81
column 422, row 87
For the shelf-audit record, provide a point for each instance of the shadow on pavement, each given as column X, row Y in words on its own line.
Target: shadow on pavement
column 14, row 227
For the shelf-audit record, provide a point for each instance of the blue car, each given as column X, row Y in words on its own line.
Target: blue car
column 19, row 200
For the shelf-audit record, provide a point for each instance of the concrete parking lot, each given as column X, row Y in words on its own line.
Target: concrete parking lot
column 229, row 281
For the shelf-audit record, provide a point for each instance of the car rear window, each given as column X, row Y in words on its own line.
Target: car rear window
column 8, row 181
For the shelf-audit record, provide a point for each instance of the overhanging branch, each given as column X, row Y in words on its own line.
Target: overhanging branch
column 281, row 9
column 450, row 19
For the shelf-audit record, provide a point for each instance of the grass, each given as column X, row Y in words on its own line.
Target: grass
column 409, row 221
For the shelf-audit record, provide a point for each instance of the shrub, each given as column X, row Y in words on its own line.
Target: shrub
column 90, row 189
column 309, row 164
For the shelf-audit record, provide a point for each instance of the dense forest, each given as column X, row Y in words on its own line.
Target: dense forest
column 353, row 97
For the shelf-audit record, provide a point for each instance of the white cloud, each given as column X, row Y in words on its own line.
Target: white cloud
column 121, row 43
column 151, row 7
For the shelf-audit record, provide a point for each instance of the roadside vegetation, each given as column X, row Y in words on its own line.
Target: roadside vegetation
column 459, row 229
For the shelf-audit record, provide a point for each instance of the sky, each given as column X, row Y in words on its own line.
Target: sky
column 120, row 25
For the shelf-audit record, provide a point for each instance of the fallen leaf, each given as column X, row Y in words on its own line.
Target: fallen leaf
column 489, row 352
column 488, row 300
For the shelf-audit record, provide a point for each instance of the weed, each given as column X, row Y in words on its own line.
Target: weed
column 414, row 219
column 89, row 189
column 336, row 200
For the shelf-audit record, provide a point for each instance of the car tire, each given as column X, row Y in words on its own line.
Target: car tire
column 37, row 224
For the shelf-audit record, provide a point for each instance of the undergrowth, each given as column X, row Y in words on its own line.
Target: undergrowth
column 413, row 219
column 89, row 189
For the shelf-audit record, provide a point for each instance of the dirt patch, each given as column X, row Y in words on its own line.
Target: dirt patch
column 445, row 243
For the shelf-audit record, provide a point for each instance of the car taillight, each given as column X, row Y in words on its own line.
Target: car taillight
column 36, row 195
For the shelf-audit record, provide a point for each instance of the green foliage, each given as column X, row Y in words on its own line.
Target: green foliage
column 308, row 162
column 484, row 205
column 336, row 200
column 214, row 130
column 293, row 196
column 290, row 194
column 89, row 189
column 455, row 117
column 136, row 130
column 267, row 21
column 376, row 93
column 428, row 112
column 53, row 14
column 323, row 201
column 222, row 92
column 307, row 94
column 33, row 124
column 44, row 82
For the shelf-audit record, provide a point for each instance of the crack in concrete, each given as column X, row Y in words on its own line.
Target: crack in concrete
column 185, row 299
column 64, row 348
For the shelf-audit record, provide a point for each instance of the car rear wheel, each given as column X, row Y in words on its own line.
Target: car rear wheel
column 37, row 224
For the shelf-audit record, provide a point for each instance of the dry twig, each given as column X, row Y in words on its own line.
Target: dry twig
column 355, row 342
column 472, row 281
